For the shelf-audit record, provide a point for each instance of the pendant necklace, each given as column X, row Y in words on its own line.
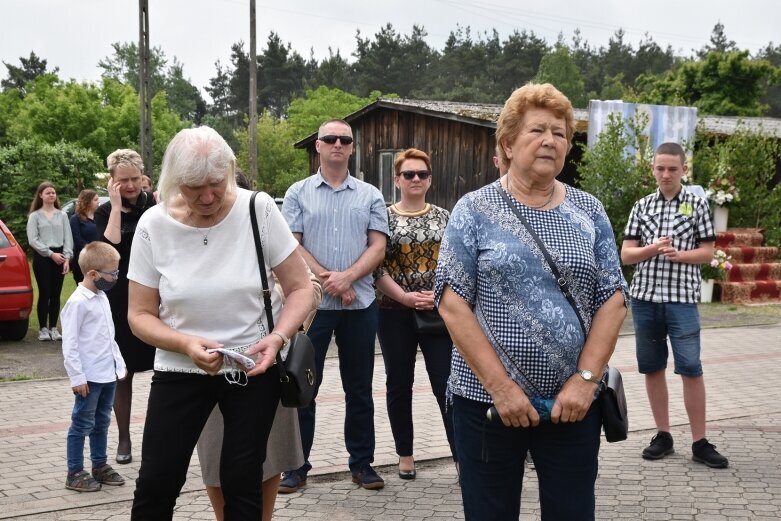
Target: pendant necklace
column 205, row 235
column 543, row 205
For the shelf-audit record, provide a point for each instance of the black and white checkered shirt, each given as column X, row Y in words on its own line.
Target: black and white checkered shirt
column 686, row 220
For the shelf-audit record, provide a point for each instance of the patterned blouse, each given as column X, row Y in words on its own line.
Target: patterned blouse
column 490, row 260
column 412, row 250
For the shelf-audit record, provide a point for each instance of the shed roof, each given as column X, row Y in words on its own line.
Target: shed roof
column 486, row 114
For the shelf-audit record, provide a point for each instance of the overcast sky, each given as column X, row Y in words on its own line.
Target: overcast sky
column 75, row 34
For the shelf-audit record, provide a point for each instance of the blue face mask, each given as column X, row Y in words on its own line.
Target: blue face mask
column 105, row 285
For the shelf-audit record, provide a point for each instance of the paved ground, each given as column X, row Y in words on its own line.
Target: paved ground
column 744, row 409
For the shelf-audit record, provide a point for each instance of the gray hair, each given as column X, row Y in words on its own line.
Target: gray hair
column 194, row 156
column 124, row 157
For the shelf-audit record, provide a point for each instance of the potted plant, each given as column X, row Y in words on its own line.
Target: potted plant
column 721, row 191
column 716, row 269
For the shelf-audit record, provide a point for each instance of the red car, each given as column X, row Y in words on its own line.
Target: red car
column 16, row 290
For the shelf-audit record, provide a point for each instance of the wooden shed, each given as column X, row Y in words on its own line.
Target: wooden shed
column 459, row 138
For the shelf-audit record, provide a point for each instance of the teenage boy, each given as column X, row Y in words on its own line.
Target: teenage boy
column 93, row 363
column 668, row 236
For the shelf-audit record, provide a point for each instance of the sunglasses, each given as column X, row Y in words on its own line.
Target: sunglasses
column 345, row 140
column 409, row 175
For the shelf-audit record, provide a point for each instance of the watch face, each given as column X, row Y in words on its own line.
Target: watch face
column 586, row 374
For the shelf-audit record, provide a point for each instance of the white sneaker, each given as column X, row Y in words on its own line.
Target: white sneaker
column 55, row 334
column 44, row 335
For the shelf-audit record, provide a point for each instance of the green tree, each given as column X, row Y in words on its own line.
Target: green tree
column 279, row 163
column 718, row 42
column 319, row 105
column 772, row 98
column 281, row 74
column 558, row 68
column 615, row 176
column 728, row 84
column 24, row 165
column 123, row 66
column 31, row 67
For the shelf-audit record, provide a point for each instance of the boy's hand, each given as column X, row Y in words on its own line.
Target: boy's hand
column 82, row 390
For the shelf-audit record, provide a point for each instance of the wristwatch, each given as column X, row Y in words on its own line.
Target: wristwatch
column 589, row 376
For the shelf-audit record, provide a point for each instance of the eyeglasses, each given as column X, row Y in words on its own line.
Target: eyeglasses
column 345, row 140
column 409, row 175
column 113, row 274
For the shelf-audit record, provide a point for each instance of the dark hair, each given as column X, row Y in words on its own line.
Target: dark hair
column 671, row 149
column 38, row 202
column 242, row 181
column 83, row 203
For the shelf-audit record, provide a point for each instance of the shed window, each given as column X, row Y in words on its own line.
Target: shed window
column 385, row 180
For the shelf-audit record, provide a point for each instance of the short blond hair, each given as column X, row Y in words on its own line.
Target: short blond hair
column 124, row 157
column 97, row 256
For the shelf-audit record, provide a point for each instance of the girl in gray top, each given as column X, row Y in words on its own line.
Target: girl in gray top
column 49, row 235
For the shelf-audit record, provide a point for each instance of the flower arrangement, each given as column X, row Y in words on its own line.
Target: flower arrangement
column 718, row 266
column 721, row 189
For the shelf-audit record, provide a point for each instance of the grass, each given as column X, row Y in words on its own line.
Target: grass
column 21, row 378
column 68, row 286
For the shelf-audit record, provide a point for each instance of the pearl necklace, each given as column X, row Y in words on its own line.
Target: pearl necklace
column 205, row 235
column 539, row 207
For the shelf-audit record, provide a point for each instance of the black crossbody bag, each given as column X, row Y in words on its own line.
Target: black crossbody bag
column 612, row 397
column 298, row 372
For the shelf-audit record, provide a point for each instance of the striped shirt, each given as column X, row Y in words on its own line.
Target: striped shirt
column 335, row 224
column 686, row 220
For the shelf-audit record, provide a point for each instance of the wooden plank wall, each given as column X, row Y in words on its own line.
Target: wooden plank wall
column 461, row 153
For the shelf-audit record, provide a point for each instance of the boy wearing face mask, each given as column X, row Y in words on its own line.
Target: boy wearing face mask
column 93, row 363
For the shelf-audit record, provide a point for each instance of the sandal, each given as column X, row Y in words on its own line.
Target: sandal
column 82, row 482
column 107, row 476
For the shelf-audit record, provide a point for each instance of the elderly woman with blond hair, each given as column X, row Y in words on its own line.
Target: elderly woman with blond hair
column 522, row 347
column 116, row 222
column 195, row 290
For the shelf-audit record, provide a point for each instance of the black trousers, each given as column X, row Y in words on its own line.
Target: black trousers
column 179, row 405
column 399, row 342
column 48, row 275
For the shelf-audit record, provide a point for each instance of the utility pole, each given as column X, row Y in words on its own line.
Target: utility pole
column 145, row 101
column 253, row 95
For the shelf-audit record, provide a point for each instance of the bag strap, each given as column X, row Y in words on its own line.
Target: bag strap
column 264, row 279
column 561, row 282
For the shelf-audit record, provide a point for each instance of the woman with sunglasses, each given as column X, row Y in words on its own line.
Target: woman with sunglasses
column 406, row 281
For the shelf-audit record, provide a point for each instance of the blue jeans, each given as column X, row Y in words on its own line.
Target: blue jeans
column 355, row 332
column 654, row 322
column 492, row 456
column 91, row 417
column 399, row 341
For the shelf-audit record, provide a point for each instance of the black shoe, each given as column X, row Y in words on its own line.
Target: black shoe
column 704, row 452
column 366, row 477
column 292, row 481
column 661, row 446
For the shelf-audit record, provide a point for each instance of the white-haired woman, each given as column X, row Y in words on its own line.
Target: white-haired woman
column 116, row 222
column 195, row 286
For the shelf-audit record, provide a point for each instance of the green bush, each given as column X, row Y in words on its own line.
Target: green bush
column 28, row 163
column 616, row 178
column 751, row 158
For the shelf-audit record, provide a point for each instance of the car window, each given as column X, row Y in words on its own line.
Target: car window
column 4, row 242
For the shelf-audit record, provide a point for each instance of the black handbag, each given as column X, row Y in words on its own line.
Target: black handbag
column 612, row 398
column 297, row 373
column 614, row 410
column 429, row 322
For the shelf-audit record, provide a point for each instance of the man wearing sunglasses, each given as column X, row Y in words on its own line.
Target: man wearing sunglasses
column 342, row 226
